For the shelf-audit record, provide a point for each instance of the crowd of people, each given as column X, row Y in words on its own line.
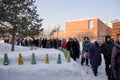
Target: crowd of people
column 110, row 50
column 38, row 42
column 90, row 54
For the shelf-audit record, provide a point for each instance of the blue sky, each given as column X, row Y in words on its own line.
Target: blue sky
column 59, row 11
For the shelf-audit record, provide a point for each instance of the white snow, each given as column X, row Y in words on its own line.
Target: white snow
column 41, row 70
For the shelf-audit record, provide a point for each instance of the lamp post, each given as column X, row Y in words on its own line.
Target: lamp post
column 57, row 27
column 57, row 32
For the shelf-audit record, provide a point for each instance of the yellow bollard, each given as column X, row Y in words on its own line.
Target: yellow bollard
column 47, row 59
column 68, row 57
column 20, row 59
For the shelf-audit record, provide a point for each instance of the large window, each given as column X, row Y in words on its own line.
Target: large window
column 90, row 24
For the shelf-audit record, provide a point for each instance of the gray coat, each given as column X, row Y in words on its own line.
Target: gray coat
column 85, row 45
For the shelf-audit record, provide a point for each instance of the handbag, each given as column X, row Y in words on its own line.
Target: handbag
column 85, row 55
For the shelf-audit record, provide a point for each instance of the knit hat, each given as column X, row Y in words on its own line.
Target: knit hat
column 99, row 41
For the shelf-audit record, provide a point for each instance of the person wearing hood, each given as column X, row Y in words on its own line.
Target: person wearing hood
column 115, row 60
column 69, row 47
column 95, row 55
column 86, row 44
column 107, row 47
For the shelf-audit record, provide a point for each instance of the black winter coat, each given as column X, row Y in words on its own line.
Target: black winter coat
column 115, row 60
column 107, row 50
column 75, row 48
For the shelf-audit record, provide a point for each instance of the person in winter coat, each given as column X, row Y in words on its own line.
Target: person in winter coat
column 95, row 55
column 107, row 52
column 76, row 49
column 69, row 47
column 85, row 45
column 44, row 41
column 115, row 60
column 48, row 44
column 64, row 44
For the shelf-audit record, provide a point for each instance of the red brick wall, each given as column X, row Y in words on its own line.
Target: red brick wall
column 80, row 28
column 115, row 32
column 102, row 30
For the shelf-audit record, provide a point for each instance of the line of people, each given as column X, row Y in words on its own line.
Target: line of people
column 111, row 54
column 91, row 52
column 38, row 42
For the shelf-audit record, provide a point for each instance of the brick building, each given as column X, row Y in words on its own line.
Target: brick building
column 115, row 32
column 94, row 28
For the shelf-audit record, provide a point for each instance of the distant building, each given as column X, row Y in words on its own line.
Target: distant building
column 109, row 24
column 115, row 32
column 94, row 28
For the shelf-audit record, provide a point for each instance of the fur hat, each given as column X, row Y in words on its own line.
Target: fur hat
column 99, row 41
column 106, row 37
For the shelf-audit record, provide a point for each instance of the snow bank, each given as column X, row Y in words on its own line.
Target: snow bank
column 5, row 48
column 39, row 71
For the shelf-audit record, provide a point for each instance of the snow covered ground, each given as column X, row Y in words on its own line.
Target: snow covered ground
column 41, row 70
